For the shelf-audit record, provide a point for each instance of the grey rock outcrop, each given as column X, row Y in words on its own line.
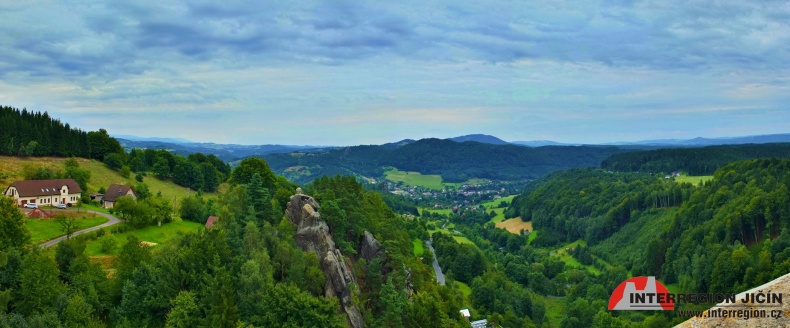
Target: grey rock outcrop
column 312, row 234
column 369, row 247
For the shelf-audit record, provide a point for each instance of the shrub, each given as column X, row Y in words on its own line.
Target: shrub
column 108, row 243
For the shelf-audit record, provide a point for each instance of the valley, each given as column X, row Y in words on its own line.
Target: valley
column 519, row 236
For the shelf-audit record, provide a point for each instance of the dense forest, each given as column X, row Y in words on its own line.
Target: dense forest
column 454, row 161
column 726, row 235
column 245, row 272
column 592, row 203
column 26, row 133
column 196, row 171
column 693, row 161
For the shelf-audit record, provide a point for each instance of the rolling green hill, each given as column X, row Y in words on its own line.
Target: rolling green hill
column 453, row 161
column 11, row 169
column 694, row 161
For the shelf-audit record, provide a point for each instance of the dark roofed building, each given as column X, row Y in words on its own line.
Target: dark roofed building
column 44, row 192
column 116, row 191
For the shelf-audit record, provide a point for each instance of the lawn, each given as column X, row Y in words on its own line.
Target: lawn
column 42, row 230
column 695, row 180
column 419, row 249
column 151, row 234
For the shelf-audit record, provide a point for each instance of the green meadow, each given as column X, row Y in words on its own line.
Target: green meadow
column 429, row 181
column 695, row 180
column 42, row 230
column 151, row 234
column 419, row 249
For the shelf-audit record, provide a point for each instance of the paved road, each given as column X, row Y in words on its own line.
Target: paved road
column 113, row 220
column 436, row 267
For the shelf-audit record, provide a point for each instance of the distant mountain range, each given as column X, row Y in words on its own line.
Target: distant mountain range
column 164, row 140
column 700, row 141
column 226, row 152
column 483, row 138
column 231, row 152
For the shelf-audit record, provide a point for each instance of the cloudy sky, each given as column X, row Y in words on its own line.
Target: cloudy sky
column 359, row 72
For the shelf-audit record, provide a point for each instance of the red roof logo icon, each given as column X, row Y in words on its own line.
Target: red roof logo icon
column 641, row 293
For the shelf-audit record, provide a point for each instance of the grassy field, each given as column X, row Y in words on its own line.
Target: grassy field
column 493, row 205
column 495, row 202
column 419, row 249
column 472, row 181
column 463, row 240
column 515, row 225
column 466, row 291
column 42, row 230
column 442, row 211
column 566, row 257
column 430, row 181
column 532, row 236
column 695, row 180
column 459, row 239
column 151, row 234
column 11, row 169
column 555, row 309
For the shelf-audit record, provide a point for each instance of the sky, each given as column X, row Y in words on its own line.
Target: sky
column 362, row 72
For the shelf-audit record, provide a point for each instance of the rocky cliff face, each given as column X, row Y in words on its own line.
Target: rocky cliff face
column 312, row 234
column 778, row 285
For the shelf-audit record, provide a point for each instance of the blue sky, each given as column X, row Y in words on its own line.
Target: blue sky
column 359, row 72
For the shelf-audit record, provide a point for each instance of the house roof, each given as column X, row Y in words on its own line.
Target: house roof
column 211, row 220
column 115, row 191
column 30, row 188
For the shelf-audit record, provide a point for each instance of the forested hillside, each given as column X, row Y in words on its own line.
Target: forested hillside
column 592, row 203
column 26, row 133
column 693, row 161
column 246, row 271
column 454, row 161
column 727, row 235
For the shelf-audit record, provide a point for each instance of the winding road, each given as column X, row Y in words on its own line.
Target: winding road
column 112, row 220
column 436, row 267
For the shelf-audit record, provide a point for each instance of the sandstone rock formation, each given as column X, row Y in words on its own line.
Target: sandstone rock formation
column 312, row 234
column 369, row 247
column 778, row 285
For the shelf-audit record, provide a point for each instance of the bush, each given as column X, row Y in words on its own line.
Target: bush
column 108, row 243
column 125, row 171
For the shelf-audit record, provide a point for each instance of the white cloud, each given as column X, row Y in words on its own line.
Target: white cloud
column 558, row 70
